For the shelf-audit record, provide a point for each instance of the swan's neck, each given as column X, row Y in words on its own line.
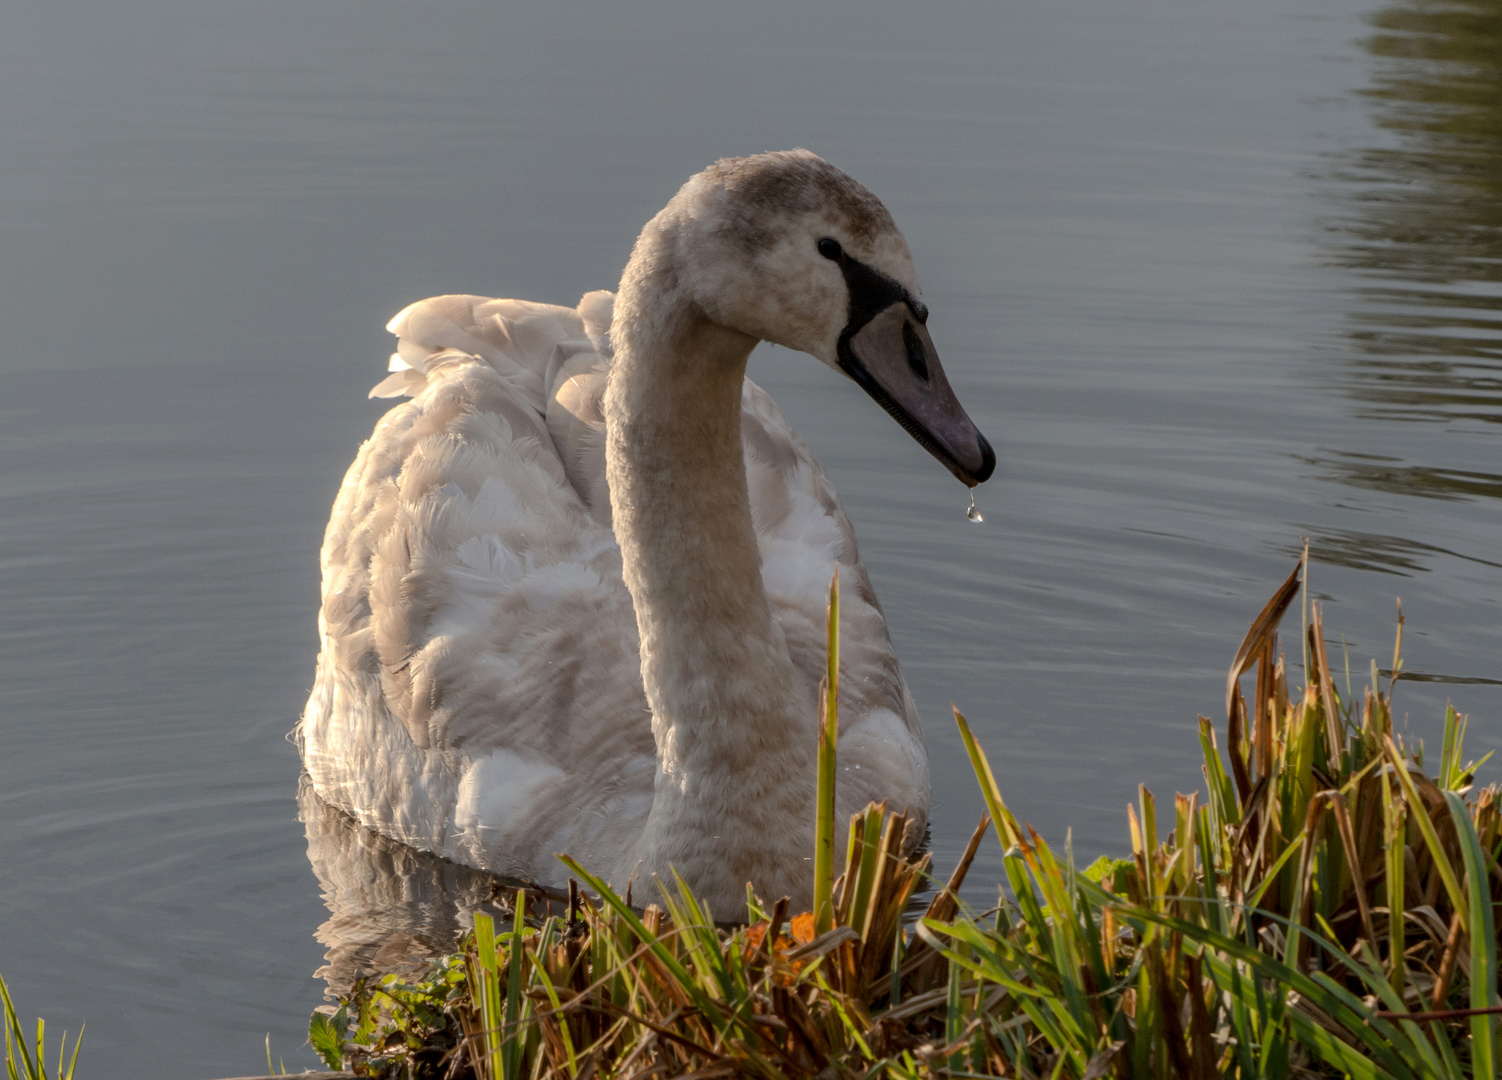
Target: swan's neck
column 735, row 773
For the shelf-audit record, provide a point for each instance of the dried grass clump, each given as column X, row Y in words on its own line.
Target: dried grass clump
column 1327, row 910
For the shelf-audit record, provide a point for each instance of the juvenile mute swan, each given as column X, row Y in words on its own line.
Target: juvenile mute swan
column 574, row 590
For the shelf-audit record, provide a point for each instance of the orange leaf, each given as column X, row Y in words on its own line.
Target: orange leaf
column 803, row 928
column 755, row 935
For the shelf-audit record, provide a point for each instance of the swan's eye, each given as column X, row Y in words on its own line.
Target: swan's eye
column 829, row 248
column 915, row 358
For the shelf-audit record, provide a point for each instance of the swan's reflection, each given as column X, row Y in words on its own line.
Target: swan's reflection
column 391, row 909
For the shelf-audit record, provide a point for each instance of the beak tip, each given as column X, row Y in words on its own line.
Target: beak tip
column 987, row 462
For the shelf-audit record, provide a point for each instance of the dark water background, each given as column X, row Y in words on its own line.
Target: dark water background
column 1211, row 276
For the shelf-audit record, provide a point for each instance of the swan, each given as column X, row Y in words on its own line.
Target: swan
column 574, row 588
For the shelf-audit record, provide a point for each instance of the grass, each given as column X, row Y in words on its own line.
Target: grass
column 1324, row 907
column 29, row 1062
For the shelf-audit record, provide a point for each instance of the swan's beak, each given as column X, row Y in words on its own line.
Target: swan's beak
column 893, row 359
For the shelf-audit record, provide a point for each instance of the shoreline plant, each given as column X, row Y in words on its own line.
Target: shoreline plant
column 1324, row 908
column 23, row 1062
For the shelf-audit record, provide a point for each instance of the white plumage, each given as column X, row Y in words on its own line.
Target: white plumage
column 480, row 690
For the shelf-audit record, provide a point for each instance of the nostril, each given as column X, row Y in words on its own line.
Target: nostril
column 915, row 358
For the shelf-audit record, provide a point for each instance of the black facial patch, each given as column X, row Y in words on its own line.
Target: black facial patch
column 871, row 291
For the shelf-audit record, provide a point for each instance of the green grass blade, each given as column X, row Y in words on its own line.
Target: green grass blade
column 675, row 968
column 697, row 929
column 1387, row 1049
column 1426, row 829
column 1222, row 788
column 73, row 1061
column 954, row 1011
column 1295, row 845
column 894, row 997
column 1449, row 752
column 486, row 977
column 1392, row 835
column 568, row 1040
column 15, row 1041
column 865, row 830
column 1483, row 935
column 513, row 1043
column 1006, row 829
column 829, row 735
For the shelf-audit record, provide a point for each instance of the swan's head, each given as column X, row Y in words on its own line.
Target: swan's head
column 789, row 249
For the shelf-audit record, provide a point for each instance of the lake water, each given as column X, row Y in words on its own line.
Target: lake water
column 1211, row 276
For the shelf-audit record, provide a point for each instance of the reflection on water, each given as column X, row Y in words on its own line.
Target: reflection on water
column 1380, row 472
column 391, row 909
column 1449, row 680
column 1375, row 552
column 1426, row 231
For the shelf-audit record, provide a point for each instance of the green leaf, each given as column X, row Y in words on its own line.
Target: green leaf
column 1109, row 873
column 326, row 1034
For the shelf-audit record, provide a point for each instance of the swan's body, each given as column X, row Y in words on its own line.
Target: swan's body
column 574, row 589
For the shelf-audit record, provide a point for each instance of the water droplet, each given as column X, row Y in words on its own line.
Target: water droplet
column 974, row 513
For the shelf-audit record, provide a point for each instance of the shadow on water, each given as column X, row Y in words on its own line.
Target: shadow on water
column 1424, row 235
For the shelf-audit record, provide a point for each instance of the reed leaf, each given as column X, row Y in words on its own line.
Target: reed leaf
column 1483, row 934
column 829, row 735
column 30, row 1063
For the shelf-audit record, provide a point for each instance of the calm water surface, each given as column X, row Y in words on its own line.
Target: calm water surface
column 1211, row 277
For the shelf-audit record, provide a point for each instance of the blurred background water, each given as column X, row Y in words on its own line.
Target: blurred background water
column 1212, row 277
